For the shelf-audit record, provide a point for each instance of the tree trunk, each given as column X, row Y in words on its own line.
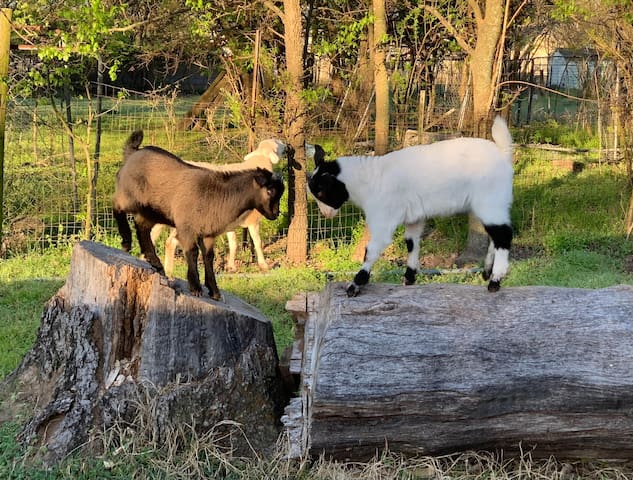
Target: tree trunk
column 295, row 113
column 206, row 100
column 116, row 332
column 482, row 64
column 482, row 67
column 434, row 369
column 5, row 46
column 381, row 78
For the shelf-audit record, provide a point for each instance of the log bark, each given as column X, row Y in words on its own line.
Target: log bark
column 117, row 332
column 435, row 369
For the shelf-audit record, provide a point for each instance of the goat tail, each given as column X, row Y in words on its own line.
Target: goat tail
column 133, row 143
column 501, row 136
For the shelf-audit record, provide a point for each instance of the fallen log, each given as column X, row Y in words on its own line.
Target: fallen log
column 118, row 333
column 435, row 369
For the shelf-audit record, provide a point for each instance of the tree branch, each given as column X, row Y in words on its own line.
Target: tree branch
column 451, row 29
column 275, row 9
column 474, row 6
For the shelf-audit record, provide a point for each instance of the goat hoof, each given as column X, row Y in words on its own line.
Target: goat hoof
column 195, row 293
column 494, row 286
column 409, row 276
column 353, row 290
column 486, row 274
column 264, row 267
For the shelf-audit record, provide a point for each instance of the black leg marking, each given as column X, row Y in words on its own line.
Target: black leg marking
column 353, row 290
column 409, row 276
column 501, row 235
column 124, row 230
column 409, row 242
column 361, row 278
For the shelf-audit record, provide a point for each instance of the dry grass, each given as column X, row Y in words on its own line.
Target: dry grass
column 186, row 453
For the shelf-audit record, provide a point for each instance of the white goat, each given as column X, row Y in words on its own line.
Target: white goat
column 461, row 175
column 265, row 156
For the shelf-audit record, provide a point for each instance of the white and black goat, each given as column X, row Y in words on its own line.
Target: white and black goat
column 156, row 186
column 266, row 155
column 405, row 187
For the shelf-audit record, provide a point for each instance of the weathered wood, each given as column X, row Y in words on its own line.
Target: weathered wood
column 116, row 332
column 432, row 369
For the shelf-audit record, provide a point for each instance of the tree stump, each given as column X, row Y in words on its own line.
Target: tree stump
column 118, row 331
column 435, row 369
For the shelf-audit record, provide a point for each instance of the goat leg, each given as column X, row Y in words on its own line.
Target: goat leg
column 143, row 232
column 208, row 255
column 377, row 243
column 124, row 229
column 253, row 230
column 191, row 254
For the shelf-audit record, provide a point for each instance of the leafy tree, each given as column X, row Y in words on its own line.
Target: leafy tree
column 72, row 36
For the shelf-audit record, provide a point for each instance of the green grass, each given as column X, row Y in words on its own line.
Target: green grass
column 26, row 283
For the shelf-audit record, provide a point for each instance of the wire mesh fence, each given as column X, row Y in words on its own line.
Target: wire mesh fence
column 47, row 173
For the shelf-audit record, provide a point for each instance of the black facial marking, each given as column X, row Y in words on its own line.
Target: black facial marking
column 501, row 236
column 319, row 155
column 325, row 186
column 409, row 243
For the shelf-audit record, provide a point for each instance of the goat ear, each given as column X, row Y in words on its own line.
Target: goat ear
column 262, row 177
column 274, row 158
column 319, row 155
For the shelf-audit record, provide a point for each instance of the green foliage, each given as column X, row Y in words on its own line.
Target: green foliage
column 556, row 133
column 74, row 31
column 346, row 40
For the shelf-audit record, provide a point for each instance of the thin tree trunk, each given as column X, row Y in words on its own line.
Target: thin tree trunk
column 5, row 37
column 294, row 119
column 482, row 66
column 97, row 153
column 71, row 147
column 381, row 78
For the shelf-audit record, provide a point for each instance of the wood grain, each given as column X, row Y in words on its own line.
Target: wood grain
column 439, row 368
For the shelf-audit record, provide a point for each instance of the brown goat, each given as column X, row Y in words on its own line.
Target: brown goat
column 158, row 187
column 267, row 153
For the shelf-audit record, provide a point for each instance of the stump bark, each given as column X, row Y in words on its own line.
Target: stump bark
column 116, row 332
column 435, row 369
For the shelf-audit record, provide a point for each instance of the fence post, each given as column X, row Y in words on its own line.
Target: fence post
column 5, row 45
